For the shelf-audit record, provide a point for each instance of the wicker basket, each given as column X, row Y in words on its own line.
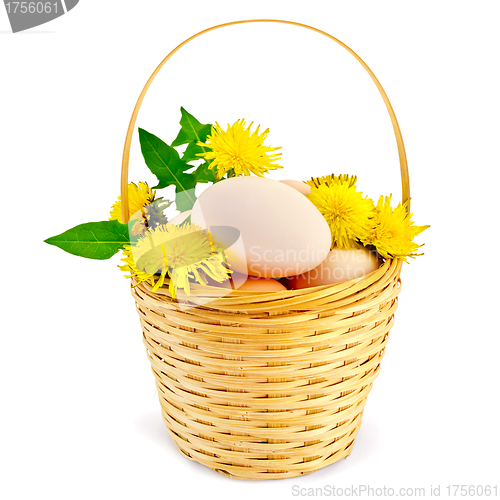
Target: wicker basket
column 268, row 385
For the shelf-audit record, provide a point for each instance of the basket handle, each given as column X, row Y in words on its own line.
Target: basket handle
column 405, row 180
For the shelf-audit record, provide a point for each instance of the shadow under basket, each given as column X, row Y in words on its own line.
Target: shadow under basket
column 269, row 385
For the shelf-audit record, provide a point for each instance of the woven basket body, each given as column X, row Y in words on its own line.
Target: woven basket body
column 260, row 386
column 268, row 385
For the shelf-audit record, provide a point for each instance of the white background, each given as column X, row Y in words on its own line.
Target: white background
column 80, row 417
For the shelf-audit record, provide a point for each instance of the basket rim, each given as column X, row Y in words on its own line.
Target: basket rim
column 386, row 271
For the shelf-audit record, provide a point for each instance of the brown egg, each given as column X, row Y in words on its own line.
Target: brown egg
column 243, row 282
column 261, row 285
column 300, row 186
column 339, row 266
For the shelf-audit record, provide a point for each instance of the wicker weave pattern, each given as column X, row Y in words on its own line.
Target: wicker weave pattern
column 234, row 404
column 229, row 399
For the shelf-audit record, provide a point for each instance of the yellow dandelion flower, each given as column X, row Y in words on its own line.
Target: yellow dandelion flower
column 393, row 231
column 184, row 252
column 143, row 207
column 130, row 267
column 332, row 179
column 240, row 150
column 347, row 212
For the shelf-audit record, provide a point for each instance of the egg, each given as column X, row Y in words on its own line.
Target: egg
column 180, row 218
column 300, row 186
column 261, row 285
column 237, row 279
column 340, row 265
column 243, row 282
column 267, row 228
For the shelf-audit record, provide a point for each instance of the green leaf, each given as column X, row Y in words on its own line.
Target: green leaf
column 186, row 221
column 191, row 152
column 93, row 240
column 163, row 160
column 205, row 174
column 184, row 199
column 192, row 130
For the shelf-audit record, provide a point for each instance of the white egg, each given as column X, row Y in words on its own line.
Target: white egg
column 300, row 186
column 340, row 265
column 180, row 218
column 268, row 229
